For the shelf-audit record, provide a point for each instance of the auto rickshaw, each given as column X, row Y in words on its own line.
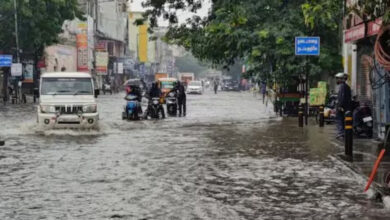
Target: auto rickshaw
column 166, row 85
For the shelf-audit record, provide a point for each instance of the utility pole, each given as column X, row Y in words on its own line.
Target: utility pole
column 94, row 14
column 16, row 32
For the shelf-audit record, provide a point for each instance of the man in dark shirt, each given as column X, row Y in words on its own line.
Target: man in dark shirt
column 181, row 98
column 343, row 102
column 155, row 92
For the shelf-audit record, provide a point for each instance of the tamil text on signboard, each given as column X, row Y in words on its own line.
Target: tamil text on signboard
column 307, row 46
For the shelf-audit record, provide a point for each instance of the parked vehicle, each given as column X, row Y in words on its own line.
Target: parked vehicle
column 155, row 109
column 363, row 121
column 171, row 101
column 330, row 109
column 132, row 109
column 195, row 87
column 67, row 100
column 230, row 85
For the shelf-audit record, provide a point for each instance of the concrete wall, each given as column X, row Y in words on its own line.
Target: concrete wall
column 112, row 20
column 58, row 56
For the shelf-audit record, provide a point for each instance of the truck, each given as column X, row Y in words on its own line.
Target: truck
column 158, row 76
column 67, row 100
column 186, row 77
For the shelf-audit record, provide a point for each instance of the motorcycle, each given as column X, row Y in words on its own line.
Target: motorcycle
column 132, row 108
column 171, row 101
column 330, row 109
column 155, row 109
column 107, row 87
column 363, row 121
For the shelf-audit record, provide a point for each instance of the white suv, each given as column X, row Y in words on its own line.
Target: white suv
column 67, row 100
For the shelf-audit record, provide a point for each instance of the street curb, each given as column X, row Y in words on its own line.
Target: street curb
column 376, row 187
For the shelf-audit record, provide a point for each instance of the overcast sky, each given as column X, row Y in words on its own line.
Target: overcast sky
column 182, row 15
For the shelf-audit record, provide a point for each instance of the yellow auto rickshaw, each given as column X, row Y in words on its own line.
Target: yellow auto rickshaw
column 166, row 85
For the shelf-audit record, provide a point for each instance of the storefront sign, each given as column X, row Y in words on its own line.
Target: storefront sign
column 5, row 60
column 82, row 48
column 101, row 63
column 355, row 33
column 101, row 45
column 374, row 27
column 307, row 46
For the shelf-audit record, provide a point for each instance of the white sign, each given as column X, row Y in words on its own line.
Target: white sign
column 120, row 68
column 101, row 63
column 16, row 69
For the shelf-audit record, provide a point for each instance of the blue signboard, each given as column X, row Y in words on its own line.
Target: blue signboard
column 307, row 46
column 5, row 60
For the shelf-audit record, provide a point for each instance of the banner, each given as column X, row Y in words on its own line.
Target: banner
column 120, row 68
column 143, row 43
column 101, row 63
column 28, row 73
column 82, row 48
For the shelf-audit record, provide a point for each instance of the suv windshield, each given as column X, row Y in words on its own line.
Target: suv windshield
column 66, row 86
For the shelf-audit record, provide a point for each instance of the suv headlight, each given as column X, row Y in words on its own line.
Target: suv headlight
column 92, row 108
column 47, row 108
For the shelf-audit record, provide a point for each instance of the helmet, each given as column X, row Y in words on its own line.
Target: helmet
column 341, row 75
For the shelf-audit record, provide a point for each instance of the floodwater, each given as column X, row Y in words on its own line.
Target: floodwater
column 230, row 158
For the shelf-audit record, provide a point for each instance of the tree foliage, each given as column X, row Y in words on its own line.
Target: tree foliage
column 40, row 22
column 371, row 9
column 262, row 34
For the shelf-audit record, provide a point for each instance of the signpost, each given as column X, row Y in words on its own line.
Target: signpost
column 16, row 69
column 307, row 46
column 5, row 60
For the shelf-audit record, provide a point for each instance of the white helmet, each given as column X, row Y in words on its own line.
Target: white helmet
column 341, row 75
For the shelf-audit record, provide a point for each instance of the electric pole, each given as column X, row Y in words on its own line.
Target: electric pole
column 16, row 33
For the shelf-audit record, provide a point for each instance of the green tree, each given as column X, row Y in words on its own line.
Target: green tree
column 40, row 22
column 262, row 33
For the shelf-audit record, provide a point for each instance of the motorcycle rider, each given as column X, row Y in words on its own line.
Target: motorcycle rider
column 155, row 92
column 181, row 98
column 343, row 102
column 135, row 91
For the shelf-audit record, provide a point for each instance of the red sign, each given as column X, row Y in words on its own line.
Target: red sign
column 101, row 45
column 355, row 33
column 374, row 27
column 41, row 64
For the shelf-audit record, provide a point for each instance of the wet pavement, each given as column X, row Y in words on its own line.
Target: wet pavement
column 230, row 158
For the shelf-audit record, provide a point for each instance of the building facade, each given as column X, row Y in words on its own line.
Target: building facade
column 360, row 63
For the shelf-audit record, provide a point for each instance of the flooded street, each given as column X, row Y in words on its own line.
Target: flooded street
column 230, row 158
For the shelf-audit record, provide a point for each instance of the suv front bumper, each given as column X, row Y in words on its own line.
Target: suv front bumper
column 85, row 120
